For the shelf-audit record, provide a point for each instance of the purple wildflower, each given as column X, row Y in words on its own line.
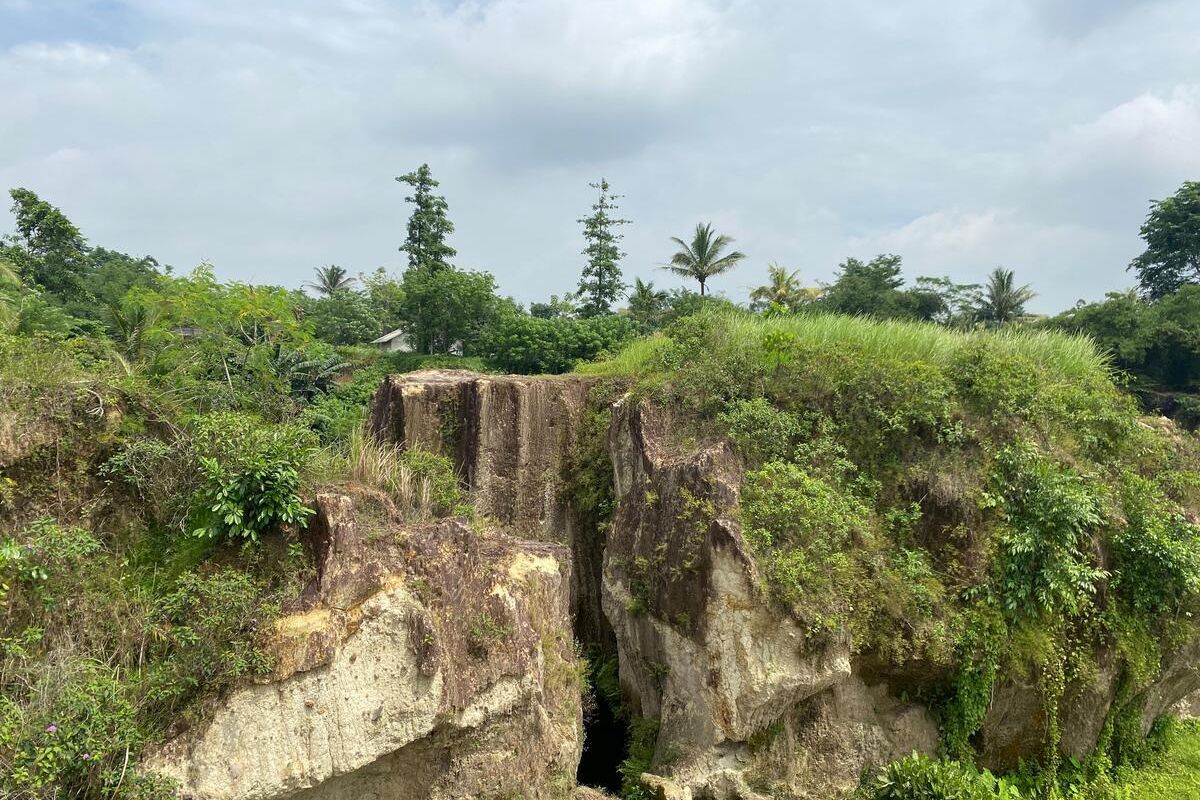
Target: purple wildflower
column 52, row 728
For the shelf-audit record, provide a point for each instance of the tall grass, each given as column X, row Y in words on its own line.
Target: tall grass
column 1070, row 356
column 365, row 460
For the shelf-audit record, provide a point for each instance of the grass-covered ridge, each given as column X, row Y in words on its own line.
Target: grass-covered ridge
column 1071, row 356
column 969, row 505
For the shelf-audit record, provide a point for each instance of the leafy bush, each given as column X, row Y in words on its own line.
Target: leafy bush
column 1050, row 514
column 77, row 740
column 250, row 476
column 805, row 527
column 1156, row 554
column 919, row 777
column 762, row 432
column 207, row 626
column 534, row 345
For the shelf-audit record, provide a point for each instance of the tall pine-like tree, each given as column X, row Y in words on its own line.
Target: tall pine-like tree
column 429, row 224
column 600, row 285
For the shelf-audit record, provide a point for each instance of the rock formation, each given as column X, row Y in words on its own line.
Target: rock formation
column 430, row 661
column 393, row 681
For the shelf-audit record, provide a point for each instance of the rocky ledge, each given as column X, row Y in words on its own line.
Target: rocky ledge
column 431, row 661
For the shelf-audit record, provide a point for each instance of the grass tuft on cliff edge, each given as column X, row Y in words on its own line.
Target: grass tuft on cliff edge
column 967, row 504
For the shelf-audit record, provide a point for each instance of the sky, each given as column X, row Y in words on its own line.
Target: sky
column 264, row 137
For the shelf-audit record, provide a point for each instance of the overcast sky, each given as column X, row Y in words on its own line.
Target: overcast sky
column 264, row 136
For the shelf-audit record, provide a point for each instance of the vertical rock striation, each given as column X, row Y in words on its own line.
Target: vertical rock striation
column 512, row 439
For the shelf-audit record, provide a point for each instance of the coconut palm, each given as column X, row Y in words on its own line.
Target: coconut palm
column 647, row 304
column 1003, row 301
column 782, row 289
column 704, row 256
column 330, row 280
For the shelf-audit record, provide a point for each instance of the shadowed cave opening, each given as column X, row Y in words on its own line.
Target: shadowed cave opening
column 605, row 745
column 605, row 724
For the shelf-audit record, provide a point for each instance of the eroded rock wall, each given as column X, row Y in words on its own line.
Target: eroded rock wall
column 745, row 699
column 426, row 662
column 438, row 662
column 512, row 439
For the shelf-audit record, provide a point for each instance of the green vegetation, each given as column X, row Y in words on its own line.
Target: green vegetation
column 945, row 496
column 921, row 778
column 600, row 285
column 967, row 493
column 1172, row 235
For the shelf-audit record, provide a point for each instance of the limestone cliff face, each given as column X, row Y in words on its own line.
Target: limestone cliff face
column 429, row 662
column 511, row 438
column 743, row 697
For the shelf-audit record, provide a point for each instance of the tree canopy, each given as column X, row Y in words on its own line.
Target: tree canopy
column 1172, row 235
column 428, row 225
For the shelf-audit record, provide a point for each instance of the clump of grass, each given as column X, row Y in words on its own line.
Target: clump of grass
column 422, row 484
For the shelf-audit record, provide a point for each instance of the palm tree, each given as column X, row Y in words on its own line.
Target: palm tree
column 1003, row 301
column 782, row 289
column 702, row 258
column 330, row 280
column 647, row 304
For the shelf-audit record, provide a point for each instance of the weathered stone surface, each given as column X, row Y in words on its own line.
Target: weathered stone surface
column 824, row 744
column 700, row 647
column 1014, row 729
column 511, row 438
column 433, row 662
column 1178, row 680
column 509, row 435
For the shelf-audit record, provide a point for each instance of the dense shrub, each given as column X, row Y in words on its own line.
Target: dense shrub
column 922, row 778
column 207, row 626
column 810, row 531
column 534, row 345
column 250, row 476
column 1156, row 555
column 1049, row 516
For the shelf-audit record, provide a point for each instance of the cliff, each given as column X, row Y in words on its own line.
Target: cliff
column 432, row 661
column 384, row 685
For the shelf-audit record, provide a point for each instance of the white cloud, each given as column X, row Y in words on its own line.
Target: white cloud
column 264, row 136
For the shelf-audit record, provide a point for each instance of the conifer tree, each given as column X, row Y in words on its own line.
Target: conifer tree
column 429, row 224
column 600, row 284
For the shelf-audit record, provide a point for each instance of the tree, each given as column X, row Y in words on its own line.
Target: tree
column 958, row 301
column 647, row 305
column 782, row 290
column 564, row 306
column 387, row 298
column 1156, row 343
column 429, row 224
column 446, row 306
column 330, row 280
column 344, row 317
column 1172, row 235
column 704, row 256
column 875, row 288
column 600, row 284
column 1003, row 301
column 47, row 249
